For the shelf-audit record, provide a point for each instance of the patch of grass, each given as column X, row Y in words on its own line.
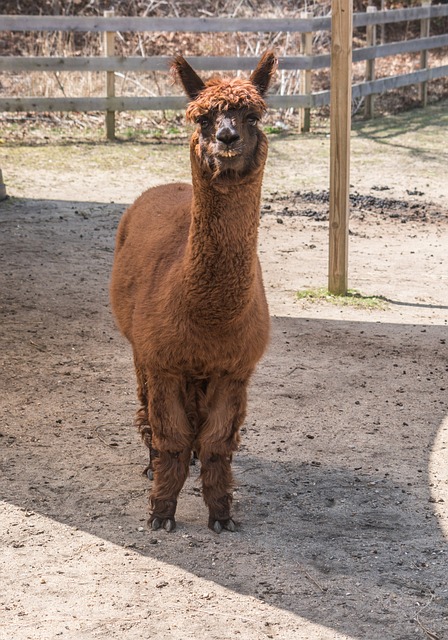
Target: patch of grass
column 173, row 130
column 273, row 130
column 352, row 298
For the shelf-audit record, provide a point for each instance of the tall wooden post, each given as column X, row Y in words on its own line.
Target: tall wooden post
column 306, row 49
column 2, row 187
column 424, row 33
column 340, row 125
column 369, row 108
column 109, row 50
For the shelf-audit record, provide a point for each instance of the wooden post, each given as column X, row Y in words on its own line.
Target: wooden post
column 109, row 50
column 369, row 107
column 340, row 125
column 2, row 187
column 306, row 49
column 383, row 26
column 424, row 33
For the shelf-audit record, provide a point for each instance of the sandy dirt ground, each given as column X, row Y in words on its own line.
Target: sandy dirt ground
column 342, row 478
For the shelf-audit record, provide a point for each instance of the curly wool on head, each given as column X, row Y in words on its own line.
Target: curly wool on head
column 221, row 94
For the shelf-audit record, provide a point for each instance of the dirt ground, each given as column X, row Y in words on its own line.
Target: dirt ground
column 342, row 477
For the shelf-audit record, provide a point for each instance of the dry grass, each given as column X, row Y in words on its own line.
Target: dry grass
column 91, row 84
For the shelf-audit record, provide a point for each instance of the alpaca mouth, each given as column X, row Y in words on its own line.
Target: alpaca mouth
column 228, row 153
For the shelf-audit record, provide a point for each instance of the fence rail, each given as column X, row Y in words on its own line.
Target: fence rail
column 206, row 25
column 314, row 100
column 211, row 63
column 111, row 64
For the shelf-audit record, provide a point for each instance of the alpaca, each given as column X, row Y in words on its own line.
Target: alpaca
column 187, row 292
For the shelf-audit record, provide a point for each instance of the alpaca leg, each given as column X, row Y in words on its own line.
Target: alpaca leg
column 217, row 485
column 170, row 472
column 141, row 417
column 141, row 420
column 172, row 439
column 217, row 441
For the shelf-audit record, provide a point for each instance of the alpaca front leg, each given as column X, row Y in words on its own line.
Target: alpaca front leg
column 171, row 445
column 217, row 442
column 217, row 485
column 170, row 472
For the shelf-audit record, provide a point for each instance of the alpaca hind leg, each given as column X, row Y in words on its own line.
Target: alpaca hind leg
column 141, row 420
column 141, row 416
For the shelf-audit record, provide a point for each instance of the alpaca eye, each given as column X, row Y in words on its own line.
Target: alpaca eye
column 203, row 121
column 252, row 119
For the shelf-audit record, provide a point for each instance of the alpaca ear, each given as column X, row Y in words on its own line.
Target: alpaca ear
column 264, row 71
column 192, row 83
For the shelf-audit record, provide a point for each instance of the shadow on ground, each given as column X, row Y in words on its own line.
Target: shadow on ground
column 336, row 504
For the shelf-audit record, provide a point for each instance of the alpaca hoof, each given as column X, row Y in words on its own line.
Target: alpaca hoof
column 230, row 525
column 218, row 525
column 169, row 524
column 148, row 472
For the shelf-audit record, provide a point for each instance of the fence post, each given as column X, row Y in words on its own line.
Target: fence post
column 340, row 125
column 383, row 26
column 369, row 107
column 306, row 49
column 424, row 33
column 109, row 50
column 2, row 187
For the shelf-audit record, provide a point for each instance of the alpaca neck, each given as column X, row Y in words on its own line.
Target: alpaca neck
column 221, row 257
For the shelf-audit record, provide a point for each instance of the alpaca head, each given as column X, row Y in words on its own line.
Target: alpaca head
column 227, row 141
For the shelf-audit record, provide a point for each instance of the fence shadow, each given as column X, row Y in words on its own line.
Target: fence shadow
column 388, row 131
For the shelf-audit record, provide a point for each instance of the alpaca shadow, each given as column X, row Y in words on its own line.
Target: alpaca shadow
column 338, row 499
column 344, row 501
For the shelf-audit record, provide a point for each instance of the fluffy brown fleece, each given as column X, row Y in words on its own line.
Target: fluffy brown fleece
column 221, row 94
column 188, row 294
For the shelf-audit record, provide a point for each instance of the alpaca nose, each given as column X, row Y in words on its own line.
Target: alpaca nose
column 227, row 135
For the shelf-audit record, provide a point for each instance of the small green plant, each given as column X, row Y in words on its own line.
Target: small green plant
column 271, row 129
column 131, row 133
column 173, row 130
column 352, row 298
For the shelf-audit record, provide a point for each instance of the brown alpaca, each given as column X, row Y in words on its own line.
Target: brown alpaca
column 187, row 292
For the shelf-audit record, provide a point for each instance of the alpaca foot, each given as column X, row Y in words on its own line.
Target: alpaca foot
column 218, row 525
column 162, row 515
column 169, row 524
column 148, row 472
column 219, row 514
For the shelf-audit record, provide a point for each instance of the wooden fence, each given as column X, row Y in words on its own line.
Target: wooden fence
column 111, row 64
